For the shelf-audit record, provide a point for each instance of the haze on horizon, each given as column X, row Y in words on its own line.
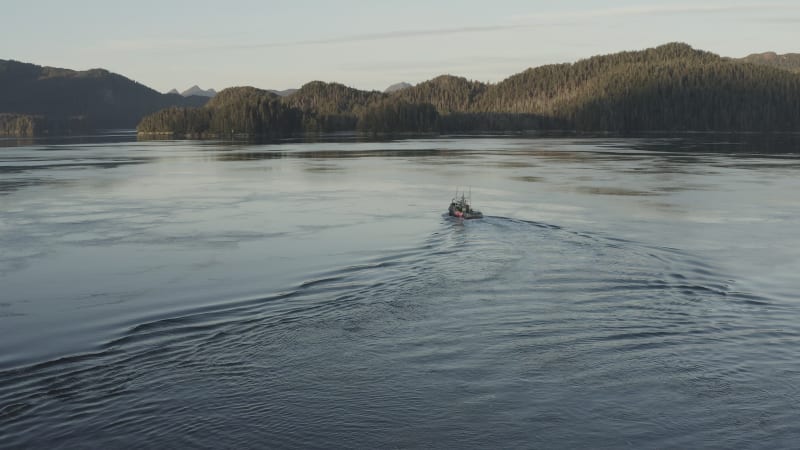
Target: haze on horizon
column 282, row 44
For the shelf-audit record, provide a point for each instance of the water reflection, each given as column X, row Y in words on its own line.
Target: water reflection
column 529, row 179
column 733, row 144
column 101, row 137
column 336, row 154
column 600, row 190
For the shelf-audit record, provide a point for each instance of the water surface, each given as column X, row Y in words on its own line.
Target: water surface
column 620, row 293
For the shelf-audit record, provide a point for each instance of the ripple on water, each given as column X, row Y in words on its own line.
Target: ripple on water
column 493, row 331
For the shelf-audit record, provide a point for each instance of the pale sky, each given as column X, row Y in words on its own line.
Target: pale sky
column 370, row 44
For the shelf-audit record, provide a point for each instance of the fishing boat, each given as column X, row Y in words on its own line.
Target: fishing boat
column 460, row 207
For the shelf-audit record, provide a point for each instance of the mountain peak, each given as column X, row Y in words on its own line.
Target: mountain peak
column 196, row 90
column 397, row 87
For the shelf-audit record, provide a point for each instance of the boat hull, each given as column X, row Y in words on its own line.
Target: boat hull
column 467, row 215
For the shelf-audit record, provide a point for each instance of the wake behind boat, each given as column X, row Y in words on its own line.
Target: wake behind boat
column 460, row 207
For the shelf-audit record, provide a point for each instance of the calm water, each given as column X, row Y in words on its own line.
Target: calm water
column 620, row 293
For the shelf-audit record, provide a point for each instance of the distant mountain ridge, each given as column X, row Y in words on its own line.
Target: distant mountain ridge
column 64, row 101
column 397, row 87
column 788, row 61
column 284, row 92
column 196, row 90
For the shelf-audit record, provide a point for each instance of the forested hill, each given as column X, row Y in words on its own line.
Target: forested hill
column 331, row 106
column 238, row 110
column 88, row 99
column 671, row 87
column 668, row 88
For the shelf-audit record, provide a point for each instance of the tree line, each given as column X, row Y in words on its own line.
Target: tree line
column 319, row 107
column 31, row 125
column 668, row 88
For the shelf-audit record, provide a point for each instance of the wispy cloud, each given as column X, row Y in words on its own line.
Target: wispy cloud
column 440, row 64
column 780, row 20
column 161, row 43
column 688, row 9
column 366, row 37
column 532, row 21
column 181, row 44
column 539, row 21
column 649, row 10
